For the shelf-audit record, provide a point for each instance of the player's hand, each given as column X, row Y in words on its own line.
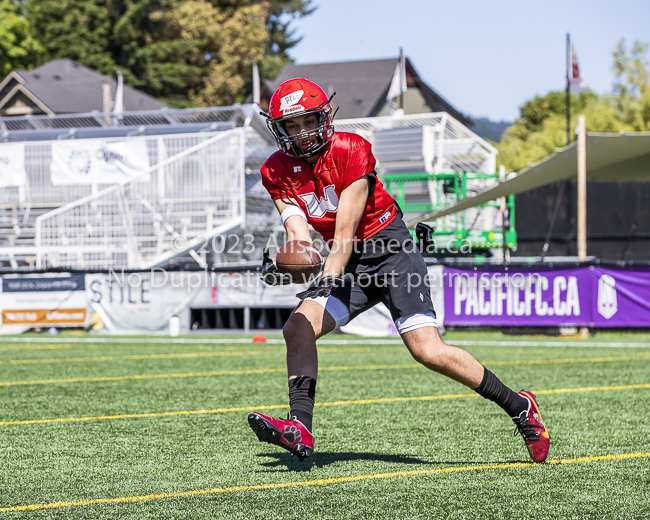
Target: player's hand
column 323, row 286
column 270, row 273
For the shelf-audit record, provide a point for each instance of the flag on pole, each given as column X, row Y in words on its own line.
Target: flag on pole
column 577, row 83
column 118, row 108
column 397, row 84
column 256, row 84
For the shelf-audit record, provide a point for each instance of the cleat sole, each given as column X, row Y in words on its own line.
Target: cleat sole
column 266, row 432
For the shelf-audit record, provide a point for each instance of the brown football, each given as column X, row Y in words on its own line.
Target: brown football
column 300, row 259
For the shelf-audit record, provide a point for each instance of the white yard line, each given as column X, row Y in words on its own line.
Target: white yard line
column 388, row 341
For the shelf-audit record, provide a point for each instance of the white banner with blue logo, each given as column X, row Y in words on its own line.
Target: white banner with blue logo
column 12, row 165
column 93, row 161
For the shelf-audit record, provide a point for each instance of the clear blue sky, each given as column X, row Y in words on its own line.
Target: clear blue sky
column 485, row 57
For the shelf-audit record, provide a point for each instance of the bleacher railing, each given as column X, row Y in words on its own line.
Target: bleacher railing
column 235, row 115
column 434, row 143
column 193, row 191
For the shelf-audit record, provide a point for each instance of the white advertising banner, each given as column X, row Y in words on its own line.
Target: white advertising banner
column 246, row 289
column 43, row 300
column 143, row 301
column 12, row 165
column 93, row 161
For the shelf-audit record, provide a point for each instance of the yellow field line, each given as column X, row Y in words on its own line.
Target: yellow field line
column 197, row 374
column 137, row 346
column 590, row 389
column 169, row 356
column 569, row 360
column 326, row 369
column 319, row 482
column 332, row 403
column 43, row 347
column 222, row 347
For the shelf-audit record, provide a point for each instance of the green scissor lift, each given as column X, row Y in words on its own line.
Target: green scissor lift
column 456, row 237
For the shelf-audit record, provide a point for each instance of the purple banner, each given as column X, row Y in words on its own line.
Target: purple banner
column 524, row 297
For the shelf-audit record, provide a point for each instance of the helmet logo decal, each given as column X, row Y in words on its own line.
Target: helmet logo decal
column 288, row 102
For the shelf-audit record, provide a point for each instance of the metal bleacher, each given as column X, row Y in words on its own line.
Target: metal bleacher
column 194, row 189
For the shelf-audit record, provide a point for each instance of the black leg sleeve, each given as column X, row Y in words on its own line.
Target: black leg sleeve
column 302, row 394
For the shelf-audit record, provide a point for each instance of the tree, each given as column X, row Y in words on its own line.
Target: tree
column 188, row 52
column 18, row 48
column 541, row 127
column 133, row 36
column 631, row 87
column 281, row 37
column 228, row 40
column 148, row 42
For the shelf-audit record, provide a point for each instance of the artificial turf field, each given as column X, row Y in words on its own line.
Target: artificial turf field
column 151, row 427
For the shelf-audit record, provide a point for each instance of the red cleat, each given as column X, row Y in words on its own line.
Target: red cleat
column 532, row 429
column 290, row 435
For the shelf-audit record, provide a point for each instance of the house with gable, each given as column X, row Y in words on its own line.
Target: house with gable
column 64, row 87
column 362, row 86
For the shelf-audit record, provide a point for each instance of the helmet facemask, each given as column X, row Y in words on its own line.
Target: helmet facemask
column 291, row 145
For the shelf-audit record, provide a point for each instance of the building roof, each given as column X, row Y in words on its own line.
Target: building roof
column 65, row 86
column 361, row 86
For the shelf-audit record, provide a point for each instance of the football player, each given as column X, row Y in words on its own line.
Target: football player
column 328, row 180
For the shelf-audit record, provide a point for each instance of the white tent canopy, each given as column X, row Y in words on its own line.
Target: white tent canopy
column 623, row 157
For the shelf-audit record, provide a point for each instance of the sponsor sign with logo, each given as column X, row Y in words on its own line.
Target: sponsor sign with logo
column 586, row 296
column 516, row 298
column 93, row 161
column 43, row 301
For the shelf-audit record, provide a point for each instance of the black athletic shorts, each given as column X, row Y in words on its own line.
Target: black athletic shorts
column 390, row 269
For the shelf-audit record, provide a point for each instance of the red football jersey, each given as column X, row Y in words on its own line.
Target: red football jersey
column 317, row 188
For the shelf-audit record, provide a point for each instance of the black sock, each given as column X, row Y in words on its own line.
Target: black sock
column 493, row 389
column 302, row 393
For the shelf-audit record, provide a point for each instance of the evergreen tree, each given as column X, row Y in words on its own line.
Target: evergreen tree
column 76, row 29
column 187, row 52
column 281, row 37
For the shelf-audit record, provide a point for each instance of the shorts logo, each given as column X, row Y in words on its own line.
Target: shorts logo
column 316, row 207
column 384, row 217
column 297, row 169
column 288, row 102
